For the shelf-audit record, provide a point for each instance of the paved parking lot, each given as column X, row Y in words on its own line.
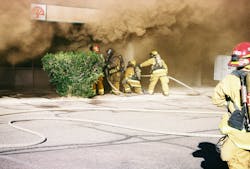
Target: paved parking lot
column 110, row 132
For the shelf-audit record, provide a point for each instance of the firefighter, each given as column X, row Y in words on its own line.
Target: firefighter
column 131, row 81
column 98, row 86
column 115, row 68
column 235, row 149
column 159, row 70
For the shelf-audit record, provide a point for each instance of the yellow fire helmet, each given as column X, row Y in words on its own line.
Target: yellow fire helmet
column 132, row 62
column 153, row 53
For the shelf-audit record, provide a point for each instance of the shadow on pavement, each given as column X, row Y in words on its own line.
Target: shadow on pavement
column 25, row 93
column 211, row 157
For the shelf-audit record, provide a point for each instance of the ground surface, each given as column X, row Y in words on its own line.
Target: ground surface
column 110, row 132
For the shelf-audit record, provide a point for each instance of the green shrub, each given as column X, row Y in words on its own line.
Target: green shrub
column 73, row 73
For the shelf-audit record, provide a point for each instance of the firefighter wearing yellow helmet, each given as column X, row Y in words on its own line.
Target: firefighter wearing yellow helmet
column 232, row 92
column 131, row 81
column 159, row 70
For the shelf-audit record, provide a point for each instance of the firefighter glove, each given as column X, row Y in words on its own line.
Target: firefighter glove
column 236, row 120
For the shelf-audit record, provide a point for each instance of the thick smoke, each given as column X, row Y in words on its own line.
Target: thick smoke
column 21, row 38
column 187, row 33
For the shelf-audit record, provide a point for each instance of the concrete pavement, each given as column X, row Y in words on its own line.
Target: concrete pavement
column 111, row 132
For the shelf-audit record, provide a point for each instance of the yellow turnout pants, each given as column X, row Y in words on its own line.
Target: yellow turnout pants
column 99, row 85
column 115, row 79
column 155, row 76
column 134, row 85
column 235, row 157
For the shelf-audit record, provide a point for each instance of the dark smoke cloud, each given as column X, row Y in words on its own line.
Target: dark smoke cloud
column 22, row 38
column 187, row 33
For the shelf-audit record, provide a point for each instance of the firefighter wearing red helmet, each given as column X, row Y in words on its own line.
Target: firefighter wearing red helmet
column 159, row 70
column 99, row 84
column 232, row 93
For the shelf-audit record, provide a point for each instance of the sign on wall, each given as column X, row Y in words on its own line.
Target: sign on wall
column 38, row 11
column 56, row 13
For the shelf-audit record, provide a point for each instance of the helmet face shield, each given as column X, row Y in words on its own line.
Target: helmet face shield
column 234, row 62
column 235, row 58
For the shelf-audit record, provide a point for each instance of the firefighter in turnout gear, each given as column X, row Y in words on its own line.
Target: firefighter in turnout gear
column 232, row 92
column 115, row 68
column 131, row 81
column 99, row 84
column 159, row 70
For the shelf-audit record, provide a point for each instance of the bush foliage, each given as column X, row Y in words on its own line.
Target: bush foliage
column 73, row 73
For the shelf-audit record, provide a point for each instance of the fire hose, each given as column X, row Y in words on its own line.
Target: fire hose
column 43, row 139
column 181, row 83
column 110, row 83
column 172, row 78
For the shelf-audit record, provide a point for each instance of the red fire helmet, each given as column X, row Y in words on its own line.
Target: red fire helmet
column 95, row 48
column 240, row 55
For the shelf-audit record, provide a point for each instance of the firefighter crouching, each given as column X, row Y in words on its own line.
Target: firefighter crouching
column 159, row 70
column 115, row 67
column 232, row 92
column 131, row 81
column 99, row 84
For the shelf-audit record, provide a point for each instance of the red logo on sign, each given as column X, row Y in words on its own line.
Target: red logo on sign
column 37, row 12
